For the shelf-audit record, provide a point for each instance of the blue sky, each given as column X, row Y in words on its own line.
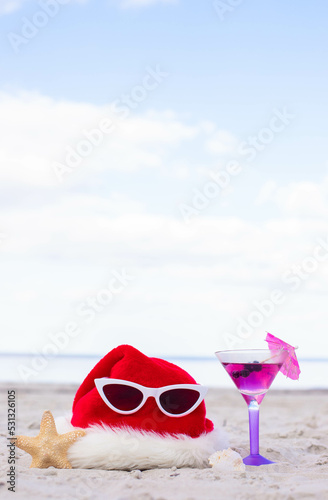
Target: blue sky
column 227, row 81
column 234, row 69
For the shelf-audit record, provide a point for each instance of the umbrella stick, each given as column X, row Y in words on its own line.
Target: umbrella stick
column 271, row 357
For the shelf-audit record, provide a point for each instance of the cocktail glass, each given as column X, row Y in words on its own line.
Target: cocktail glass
column 253, row 371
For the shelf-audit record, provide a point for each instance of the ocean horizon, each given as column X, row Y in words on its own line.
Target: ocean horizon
column 73, row 368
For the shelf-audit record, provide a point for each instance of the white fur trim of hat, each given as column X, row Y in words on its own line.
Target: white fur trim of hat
column 104, row 447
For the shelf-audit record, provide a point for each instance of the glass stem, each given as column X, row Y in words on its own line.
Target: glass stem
column 253, row 413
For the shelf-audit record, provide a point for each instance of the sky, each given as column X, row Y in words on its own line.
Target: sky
column 164, row 175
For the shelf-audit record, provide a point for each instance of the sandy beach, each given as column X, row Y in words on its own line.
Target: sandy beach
column 293, row 432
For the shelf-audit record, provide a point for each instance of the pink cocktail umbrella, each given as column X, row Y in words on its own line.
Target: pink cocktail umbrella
column 290, row 368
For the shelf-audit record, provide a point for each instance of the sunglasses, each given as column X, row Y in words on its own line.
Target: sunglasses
column 127, row 397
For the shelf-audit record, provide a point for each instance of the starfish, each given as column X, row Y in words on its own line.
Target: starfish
column 48, row 448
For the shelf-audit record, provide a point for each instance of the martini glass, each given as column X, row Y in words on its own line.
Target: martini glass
column 253, row 371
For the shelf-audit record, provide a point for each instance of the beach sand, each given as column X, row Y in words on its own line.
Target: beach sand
column 293, row 432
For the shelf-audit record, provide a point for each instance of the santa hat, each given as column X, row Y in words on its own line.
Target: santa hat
column 144, row 439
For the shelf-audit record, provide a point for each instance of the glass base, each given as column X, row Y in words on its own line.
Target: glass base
column 256, row 460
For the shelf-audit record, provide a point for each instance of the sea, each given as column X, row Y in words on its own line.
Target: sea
column 72, row 369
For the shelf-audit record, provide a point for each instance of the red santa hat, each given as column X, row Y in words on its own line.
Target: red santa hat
column 146, row 438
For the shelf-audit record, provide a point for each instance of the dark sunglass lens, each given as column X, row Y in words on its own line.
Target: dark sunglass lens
column 123, row 397
column 177, row 401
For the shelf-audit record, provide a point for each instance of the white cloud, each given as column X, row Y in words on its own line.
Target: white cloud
column 97, row 228
column 266, row 192
column 222, row 142
column 309, row 199
column 37, row 131
column 9, row 6
column 304, row 199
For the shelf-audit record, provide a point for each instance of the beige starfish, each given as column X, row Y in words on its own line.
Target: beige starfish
column 48, row 448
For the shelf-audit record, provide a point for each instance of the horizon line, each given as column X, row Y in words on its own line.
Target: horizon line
column 168, row 357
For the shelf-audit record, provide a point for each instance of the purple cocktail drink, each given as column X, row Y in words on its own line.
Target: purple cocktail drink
column 252, row 379
column 253, row 372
